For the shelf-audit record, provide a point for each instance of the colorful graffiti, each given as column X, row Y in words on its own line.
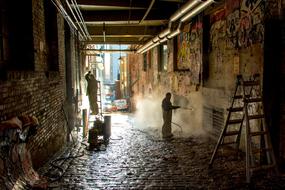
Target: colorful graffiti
column 231, row 6
column 218, row 30
column 190, row 50
column 232, row 28
column 251, row 23
column 245, row 23
column 272, row 9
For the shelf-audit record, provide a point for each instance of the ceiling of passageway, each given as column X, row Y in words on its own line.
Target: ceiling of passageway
column 131, row 22
column 143, row 24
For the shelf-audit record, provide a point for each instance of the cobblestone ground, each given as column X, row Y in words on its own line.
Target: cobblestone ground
column 139, row 159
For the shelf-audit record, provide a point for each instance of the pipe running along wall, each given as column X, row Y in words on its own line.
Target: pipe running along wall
column 194, row 6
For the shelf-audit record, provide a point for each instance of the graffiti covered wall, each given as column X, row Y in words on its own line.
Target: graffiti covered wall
column 236, row 42
column 189, row 45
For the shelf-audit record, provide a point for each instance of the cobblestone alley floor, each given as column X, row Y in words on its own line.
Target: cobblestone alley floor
column 139, row 159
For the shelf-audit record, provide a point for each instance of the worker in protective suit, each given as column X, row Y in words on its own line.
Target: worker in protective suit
column 92, row 88
column 167, row 116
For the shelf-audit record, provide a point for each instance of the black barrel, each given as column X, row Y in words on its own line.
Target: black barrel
column 107, row 127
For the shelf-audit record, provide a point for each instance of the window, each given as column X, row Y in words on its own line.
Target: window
column 16, row 35
column 51, row 36
column 162, row 57
column 206, row 48
column 150, row 55
column 3, row 35
column 144, row 62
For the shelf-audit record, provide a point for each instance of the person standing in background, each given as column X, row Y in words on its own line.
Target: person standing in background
column 92, row 89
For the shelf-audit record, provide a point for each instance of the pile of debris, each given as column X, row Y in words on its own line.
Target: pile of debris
column 16, row 169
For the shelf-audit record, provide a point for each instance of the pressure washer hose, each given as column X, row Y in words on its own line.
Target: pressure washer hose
column 178, row 126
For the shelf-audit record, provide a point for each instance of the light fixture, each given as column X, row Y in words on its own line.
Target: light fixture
column 120, row 58
column 104, row 32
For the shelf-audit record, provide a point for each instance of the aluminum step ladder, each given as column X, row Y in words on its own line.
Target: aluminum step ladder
column 258, row 147
column 231, row 132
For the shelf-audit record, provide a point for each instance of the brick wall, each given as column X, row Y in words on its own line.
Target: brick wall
column 40, row 92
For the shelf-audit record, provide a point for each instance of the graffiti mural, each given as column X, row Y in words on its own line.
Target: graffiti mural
column 190, row 50
column 218, row 30
column 232, row 22
column 273, row 8
column 217, row 40
column 244, row 23
column 251, row 28
column 195, row 52
column 183, row 45
column 232, row 27
column 231, row 6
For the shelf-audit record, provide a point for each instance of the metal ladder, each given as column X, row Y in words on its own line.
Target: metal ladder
column 231, row 132
column 99, row 100
column 257, row 138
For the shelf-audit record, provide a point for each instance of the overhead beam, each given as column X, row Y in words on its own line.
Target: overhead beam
column 121, row 3
column 114, row 41
column 124, row 30
column 92, row 51
column 121, row 36
column 124, row 15
column 133, row 4
column 128, row 23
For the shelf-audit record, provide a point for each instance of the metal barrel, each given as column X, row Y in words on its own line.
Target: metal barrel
column 107, row 126
column 93, row 137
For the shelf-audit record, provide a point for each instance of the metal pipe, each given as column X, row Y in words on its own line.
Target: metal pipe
column 174, row 33
column 173, row 18
column 155, row 39
column 190, row 5
column 150, row 47
column 61, row 10
column 185, row 8
column 197, row 10
column 82, row 20
column 146, row 13
column 74, row 16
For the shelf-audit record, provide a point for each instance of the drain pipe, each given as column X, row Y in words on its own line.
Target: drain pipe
column 152, row 43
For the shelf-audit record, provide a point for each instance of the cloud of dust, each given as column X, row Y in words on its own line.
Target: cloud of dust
column 148, row 112
column 187, row 120
column 190, row 115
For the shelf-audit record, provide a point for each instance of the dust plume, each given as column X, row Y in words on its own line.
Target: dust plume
column 187, row 120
